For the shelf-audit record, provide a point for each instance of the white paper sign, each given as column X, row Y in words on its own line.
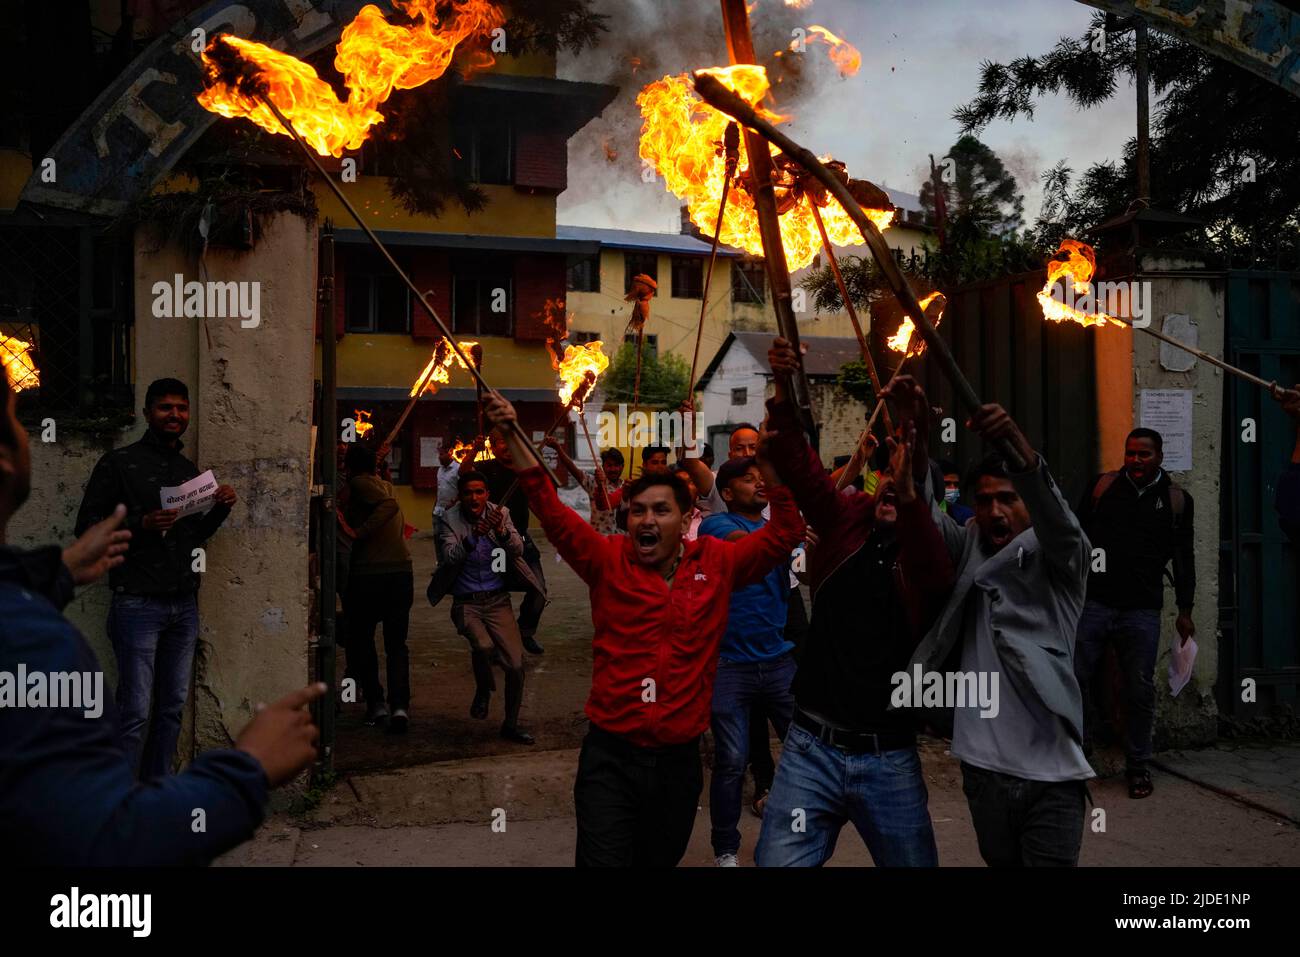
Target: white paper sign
column 196, row 495
column 429, row 449
column 1169, row 412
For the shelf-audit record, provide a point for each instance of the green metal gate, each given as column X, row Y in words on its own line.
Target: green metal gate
column 1259, row 570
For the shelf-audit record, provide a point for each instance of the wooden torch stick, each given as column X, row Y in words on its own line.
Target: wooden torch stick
column 720, row 98
column 420, row 297
column 833, row 260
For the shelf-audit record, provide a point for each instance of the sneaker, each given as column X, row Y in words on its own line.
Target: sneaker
column 727, row 860
column 376, row 713
column 397, row 723
column 479, row 706
column 532, row 647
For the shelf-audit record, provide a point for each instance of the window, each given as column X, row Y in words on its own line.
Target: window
column 651, row 345
column 482, row 151
column 377, row 304
column 748, row 281
column 635, row 263
column 740, row 396
column 583, row 273
column 578, row 338
column 688, row 277
column 482, row 294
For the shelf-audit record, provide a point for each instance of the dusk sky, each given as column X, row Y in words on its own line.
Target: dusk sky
column 920, row 60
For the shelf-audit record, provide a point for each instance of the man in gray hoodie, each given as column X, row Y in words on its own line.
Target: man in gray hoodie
column 1022, row 569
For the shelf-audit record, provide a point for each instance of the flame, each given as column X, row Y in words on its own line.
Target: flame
column 1078, row 266
column 484, row 454
column 901, row 341
column 440, row 363
column 363, row 423
column 579, row 370
column 798, row 4
column 843, row 54
column 681, row 137
column 16, row 354
column 374, row 56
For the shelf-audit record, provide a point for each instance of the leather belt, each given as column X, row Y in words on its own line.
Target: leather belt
column 855, row 741
column 480, row 596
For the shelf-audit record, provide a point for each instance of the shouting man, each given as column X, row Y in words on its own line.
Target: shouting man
column 1022, row 570
column 659, row 608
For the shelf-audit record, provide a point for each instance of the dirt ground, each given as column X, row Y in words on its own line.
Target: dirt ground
column 442, row 684
column 428, row 797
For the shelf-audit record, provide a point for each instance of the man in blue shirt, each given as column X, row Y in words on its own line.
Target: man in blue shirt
column 755, row 664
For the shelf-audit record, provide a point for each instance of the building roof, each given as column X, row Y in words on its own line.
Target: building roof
column 472, row 241
column 826, row 354
column 631, row 239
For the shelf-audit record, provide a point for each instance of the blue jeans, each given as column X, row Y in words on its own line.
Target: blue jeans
column 818, row 788
column 739, row 686
column 154, row 641
column 1136, row 633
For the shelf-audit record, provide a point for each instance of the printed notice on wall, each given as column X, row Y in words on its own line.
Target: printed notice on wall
column 1169, row 412
column 429, row 452
column 196, row 495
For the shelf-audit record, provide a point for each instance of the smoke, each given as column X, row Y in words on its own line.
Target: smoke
column 650, row 39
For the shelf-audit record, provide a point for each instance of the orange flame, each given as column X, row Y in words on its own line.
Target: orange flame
column 901, row 341
column 374, row 56
column 680, row 138
column 579, row 370
column 363, row 423
column 843, row 54
column 1078, row 267
column 439, row 366
column 798, row 4
column 484, row 454
column 16, row 354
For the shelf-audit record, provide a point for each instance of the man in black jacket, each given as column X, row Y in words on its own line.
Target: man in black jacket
column 1141, row 522
column 153, row 620
column 67, row 794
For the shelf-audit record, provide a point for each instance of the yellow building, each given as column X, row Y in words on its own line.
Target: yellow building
column 495, row 277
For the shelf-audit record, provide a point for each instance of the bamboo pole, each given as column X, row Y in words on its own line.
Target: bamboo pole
column 420, row 297
column 719, row 97
column 849, row 307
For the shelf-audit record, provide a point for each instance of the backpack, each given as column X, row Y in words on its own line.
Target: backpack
column 1177, row 497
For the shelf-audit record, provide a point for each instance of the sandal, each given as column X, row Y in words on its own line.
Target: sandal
column 1139, row 784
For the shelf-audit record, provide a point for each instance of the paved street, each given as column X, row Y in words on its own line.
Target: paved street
column 429, row 797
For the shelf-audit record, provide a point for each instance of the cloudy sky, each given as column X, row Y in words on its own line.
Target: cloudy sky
column 921, row 59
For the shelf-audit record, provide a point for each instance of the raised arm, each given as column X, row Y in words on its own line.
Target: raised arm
column 577, row 542
column 1059, row 533
column 925, row 565
column 758, row 553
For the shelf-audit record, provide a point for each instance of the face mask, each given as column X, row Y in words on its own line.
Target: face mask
column 951, row 495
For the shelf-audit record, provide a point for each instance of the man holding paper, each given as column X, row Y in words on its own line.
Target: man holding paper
column 153, row 621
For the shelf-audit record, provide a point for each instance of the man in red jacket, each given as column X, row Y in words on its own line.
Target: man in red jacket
column 659, row 607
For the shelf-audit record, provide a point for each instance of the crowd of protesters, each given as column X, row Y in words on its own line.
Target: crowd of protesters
column 699, row 621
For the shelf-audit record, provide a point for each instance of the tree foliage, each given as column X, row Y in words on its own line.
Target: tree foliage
column 1225, row 144
column 982, row 191
column 664, row 379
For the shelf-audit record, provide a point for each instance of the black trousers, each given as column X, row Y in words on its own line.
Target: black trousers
column 1022, row 823
column 373, row 599
column 635, row 806
column 532, row 603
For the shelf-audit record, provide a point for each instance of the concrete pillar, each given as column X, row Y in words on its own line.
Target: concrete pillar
column 251, row 397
